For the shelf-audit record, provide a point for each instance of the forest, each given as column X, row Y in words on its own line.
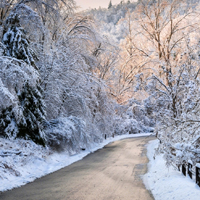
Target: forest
column 70, row 79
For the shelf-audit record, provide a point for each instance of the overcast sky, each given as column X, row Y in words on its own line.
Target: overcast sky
column 84, row 4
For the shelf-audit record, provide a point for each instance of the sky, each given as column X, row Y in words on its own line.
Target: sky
column 85, row 4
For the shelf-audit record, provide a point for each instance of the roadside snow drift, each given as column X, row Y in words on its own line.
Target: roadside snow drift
column 167, row 183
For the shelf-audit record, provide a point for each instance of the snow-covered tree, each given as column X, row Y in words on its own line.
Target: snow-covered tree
column 14, row 74
column 26, row 119
column 33, row 109
column 165, row 45
column 17, row 45
column 26, row 113
column 8, row 123
column 110, row 4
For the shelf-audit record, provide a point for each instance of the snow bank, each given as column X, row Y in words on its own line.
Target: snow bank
column 23, row 161
column 167, row 183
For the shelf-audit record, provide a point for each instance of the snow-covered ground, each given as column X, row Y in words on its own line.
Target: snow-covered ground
column 167, row 183
column 23, row 161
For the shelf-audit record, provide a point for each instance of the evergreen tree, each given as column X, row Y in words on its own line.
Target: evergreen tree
column 33, row 109
column 16, row 42
column 29, row 125
column 110, row 5
column 32, row 114
column 8, row 127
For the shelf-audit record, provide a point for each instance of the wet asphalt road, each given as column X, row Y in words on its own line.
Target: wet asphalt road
column 111, row 173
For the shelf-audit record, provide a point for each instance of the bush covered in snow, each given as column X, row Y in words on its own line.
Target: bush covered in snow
column 134, row 119
column 66, row 134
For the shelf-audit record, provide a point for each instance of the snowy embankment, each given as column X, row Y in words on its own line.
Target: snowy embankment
column 167, row 183
column 23, row 161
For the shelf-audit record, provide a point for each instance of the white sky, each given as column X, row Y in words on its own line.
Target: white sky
column 85, row 4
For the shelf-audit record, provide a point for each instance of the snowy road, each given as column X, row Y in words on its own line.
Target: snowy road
column 112, row 173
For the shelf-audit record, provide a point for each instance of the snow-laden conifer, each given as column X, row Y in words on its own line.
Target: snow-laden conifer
column 17, row 45
column 110, row 5
column 33, row 109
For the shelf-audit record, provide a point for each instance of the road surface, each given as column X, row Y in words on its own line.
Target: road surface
column 112, row 173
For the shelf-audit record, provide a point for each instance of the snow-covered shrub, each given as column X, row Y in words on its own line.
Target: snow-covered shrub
column 134, row 119
column 67, row 134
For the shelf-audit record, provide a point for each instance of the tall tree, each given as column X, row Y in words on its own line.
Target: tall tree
column 167, row 63
column 110, row 4
column 17, row 45
column 28, row 116
column 33, row 109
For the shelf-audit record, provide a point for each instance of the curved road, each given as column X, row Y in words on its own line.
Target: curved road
column 112, row 173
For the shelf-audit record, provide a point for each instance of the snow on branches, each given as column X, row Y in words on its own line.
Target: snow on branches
column 166, row 44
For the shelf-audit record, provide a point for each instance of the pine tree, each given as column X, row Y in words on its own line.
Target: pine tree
column 29, row 126
column 32, row 115
column 110, row 5
column 16, row 42
column 33, row 109
column 8, row 127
